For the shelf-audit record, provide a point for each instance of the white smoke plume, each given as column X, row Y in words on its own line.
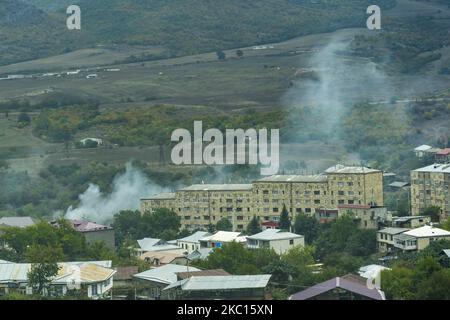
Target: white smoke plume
column 341, row 81
column 128, row 188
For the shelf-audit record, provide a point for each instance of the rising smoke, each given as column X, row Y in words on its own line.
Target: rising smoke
column 128, row 188
column 340, row 81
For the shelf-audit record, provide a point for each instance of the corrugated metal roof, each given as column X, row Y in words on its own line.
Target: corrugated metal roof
column 225, row 236
column 393, row 230
column 223, row 282
column 165, row 274
column 195, row 237
column 89, row 272
column 274, row 234
column 152, row 244
column 20, row 222
column 427, row 231
column 338, row 282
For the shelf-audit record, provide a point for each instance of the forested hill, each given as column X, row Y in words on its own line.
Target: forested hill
column 183, row 26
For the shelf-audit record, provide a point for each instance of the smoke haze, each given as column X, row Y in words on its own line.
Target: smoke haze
column 128, row 189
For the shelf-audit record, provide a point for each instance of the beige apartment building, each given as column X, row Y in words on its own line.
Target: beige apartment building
column 430, row 187
column 204, row 204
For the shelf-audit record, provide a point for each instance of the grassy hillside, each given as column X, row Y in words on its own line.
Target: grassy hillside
column 182, row 26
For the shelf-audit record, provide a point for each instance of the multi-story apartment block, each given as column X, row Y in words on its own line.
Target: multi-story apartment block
column 430, row 187
column 201, row 205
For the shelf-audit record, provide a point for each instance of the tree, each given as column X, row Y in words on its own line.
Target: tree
column 436, row 287
column 224, row 225
column 24, row 119
column 44, row 267
column 221, row 55
column 446, row 224
column 285, row 222
column 253, row 227
column 239, row 53
column 398, row 283
column 434, row 212
column 306, row 226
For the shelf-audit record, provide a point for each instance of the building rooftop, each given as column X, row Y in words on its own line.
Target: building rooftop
column 442, row 168
column 443, row 152
column 351, row 284
column 422, row 147
column 218, row 187
column 274, row 234
column 393, row 230
column 427, row 231
column 222, row 282
column 294, row 178
column 399, row 184
column 166, row 274
column 20, row 222
column 225, row 236
column 339, row 168
column 88, row 272
column 407, row 218
column 88, row 226
column 202, row 273
column 371, row 271
column 446, row 252
column 195, row 237
column 165, row 257
column 125, row 273
column 200, row 254
column 162, row 196
column 152, row 244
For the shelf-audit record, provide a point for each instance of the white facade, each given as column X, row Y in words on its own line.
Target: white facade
column 275, row 239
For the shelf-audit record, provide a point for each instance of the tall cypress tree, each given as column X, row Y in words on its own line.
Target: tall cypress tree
column 285, row 223
column 253, row 227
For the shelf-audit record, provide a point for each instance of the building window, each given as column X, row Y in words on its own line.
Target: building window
column 94, row 289
column 291, row 242
column 275, row 209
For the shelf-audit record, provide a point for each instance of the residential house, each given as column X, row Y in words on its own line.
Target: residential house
column 419, row 238
column 217, row 239
column 397, row 185
column 385, row 238
column 124, row 276
column 16, row 222
column 93, row 232
column 153, row 244
column 160, row 258
column 420, row 151
column 348, row 287
column 275, row 239
column 201, row 273
column 367, row 216
column 443, row 156
column 192, row 242
column 410, row 221
column 200, row 254
column 153, row 281
column 227, row 287
column 91, row 277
